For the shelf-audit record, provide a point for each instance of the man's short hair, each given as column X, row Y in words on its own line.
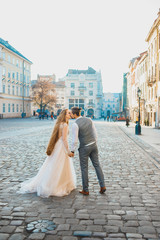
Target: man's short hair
column 76, row 110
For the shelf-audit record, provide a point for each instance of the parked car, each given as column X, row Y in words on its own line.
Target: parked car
column 121, row 119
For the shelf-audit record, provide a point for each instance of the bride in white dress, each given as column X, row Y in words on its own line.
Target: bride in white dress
column 56, row 176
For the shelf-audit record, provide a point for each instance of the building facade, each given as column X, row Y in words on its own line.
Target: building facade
column 112, row 105
column 15, row 79
column 153, row 81
column 124, row 96
column 144, row 74
column 84, row 89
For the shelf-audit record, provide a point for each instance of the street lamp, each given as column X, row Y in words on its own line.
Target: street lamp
column 138, row 126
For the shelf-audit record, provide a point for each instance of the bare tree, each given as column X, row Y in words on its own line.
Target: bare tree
column 43, row 94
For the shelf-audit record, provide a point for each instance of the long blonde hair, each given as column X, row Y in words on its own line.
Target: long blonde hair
column 55, row 134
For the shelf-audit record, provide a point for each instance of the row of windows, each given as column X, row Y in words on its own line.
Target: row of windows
column 17, row 75
column 15, row 62
column 18, row 91
column 13, row 107
column 81, row 85
column 81, row 93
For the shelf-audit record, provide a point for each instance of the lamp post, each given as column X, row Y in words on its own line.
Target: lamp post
column 138, row 126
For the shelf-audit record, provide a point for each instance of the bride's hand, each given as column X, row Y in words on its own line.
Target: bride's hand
column 71, row 154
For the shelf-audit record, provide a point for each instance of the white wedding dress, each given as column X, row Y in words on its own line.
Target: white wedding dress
column 56, row 176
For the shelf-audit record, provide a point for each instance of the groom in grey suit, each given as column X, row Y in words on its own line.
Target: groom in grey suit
column 84, row 129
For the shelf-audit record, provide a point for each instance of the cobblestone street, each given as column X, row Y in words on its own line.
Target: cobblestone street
column 130, row 208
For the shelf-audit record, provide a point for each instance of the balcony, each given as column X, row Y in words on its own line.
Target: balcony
column 81, row 88
column 99, row 95
column 151, row 80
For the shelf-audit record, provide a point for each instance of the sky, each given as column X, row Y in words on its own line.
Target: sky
column 57, row 35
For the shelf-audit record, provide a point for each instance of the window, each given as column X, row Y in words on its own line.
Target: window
column 13, row 61
column 21, row 108
column 24, row 92
column 81, row 84
column 28, row 91
column 17, row 75
column 9, row 89
column 9, row 107
column 13, row 90
column 17, row 90
column 27, row 79
column 20, row 63
column 90, row 101
column 76, row 102
column 21, row 77
column 9, row 58
column 13, row 75
column 113, row 105
column 72, row 85
column 81, row 93
column 17, row 63
column 108, row 106
column 24, row 78
column 20, row 91
column 4, row 107
column 4, row 55
column 90, row 93
column 90, row 85
column 4, row 71
column 9, row 73
column 17, row 107
column 13, row 107
column 72, row 93
column 4, row 88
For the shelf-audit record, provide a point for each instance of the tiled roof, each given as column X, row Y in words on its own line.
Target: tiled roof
column 7, row 45
column 76, row 71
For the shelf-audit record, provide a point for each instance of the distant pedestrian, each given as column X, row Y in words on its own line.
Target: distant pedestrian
column 51, row 117
column 127, row 121
column 107, row 118
column 40, row 116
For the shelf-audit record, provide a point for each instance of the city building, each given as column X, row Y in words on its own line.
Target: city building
column 84, row 89
column 112, row 105
column 60, row 96
column 51, row 78
column 15, row 78
column 125, row 108
column 153, row 81
column 142, row 85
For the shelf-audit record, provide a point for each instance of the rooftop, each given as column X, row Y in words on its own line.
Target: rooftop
column 76, row 71
column 8, row 46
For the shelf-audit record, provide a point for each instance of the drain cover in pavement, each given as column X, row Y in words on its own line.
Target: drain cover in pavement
column 40, row 226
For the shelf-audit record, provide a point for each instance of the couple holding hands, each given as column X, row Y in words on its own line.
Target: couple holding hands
column 56, row 176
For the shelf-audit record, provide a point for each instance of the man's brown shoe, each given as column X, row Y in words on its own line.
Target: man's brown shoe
column 102, row 190
column 83, row 192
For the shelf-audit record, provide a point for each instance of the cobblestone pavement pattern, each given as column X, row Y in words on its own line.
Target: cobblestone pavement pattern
column 130, row 209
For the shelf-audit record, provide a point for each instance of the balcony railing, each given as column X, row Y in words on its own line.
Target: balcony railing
column 81, row 88
column 99, row 95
